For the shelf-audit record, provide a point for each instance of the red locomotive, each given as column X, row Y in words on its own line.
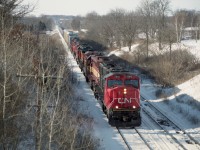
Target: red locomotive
column 117, row 90
column 82, row 49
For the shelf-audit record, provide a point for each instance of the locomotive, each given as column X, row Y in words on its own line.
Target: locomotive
column 116, row 89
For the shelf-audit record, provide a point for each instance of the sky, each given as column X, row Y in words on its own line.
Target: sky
column 82, row 7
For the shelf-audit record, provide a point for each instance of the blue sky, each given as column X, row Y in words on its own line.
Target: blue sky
column 82, row 7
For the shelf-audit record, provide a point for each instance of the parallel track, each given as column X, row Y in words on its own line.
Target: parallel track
column 126, row 138
column 143, row 138
column 171, row 123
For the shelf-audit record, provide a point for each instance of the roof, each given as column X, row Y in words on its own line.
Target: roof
column 118, row 73
column 191, row 29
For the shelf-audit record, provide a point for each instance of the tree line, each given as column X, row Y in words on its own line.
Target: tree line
column 152, row 22
column 38, row 107
column 153, row 18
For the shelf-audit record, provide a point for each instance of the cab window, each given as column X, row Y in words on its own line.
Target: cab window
column 134, row 83
column 112, row 83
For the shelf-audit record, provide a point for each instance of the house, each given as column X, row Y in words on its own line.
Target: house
column 191, row 33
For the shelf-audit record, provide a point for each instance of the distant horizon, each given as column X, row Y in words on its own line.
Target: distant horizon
column 102, row 7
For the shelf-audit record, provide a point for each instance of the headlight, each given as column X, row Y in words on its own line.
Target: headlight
column 125, row 91
column 134, row 107
column 116, row 107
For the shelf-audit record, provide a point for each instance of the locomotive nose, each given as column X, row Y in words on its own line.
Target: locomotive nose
column 122, row 97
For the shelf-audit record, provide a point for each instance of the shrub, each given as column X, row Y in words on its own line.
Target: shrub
column 166, row 101
column 161, row 94
column 169, row 72
column 194, row 119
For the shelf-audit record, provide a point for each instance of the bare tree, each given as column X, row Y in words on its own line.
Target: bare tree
column 145, row 11
column 198, row 26
column 162, row 8
column 114, row 28
column 115, row 18
column 130, row 28
column 11, row 45
column 93, row 23
column 107, row 32
column 35, row 100
column 10, row 10
column 76, row 23
column 179, row 20
column 169, row 37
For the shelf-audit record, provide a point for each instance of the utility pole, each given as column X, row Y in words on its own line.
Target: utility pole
column 41, row 80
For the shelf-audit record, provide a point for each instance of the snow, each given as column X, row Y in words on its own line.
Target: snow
column 142, row 36
column 84, row 30
column 124, row 49
column 192, row 46
column 191, row 88
column 177, row 111
column 191, row 29
column 50, row 33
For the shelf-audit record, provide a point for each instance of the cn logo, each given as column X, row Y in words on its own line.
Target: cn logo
column 123, row 100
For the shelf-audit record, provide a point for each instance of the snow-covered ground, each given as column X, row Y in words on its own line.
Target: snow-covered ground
column 192, row 46
column 175, row 107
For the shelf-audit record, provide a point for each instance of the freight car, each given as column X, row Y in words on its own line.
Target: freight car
column 117, row 90
column 69, row 35
column 81, row 53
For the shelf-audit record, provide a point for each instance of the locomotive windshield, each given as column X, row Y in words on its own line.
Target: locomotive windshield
column 134, row 83
column 114, row 82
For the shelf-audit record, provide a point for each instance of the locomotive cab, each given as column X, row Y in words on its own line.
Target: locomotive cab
column 122, row 99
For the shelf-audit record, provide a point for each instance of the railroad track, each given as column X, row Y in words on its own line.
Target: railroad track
column 133, row 139
column 145, row 137
column 124, row 139
column 171, row 128
column 146, row 142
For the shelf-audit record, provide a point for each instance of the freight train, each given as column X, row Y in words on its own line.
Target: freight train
column 116, row 89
